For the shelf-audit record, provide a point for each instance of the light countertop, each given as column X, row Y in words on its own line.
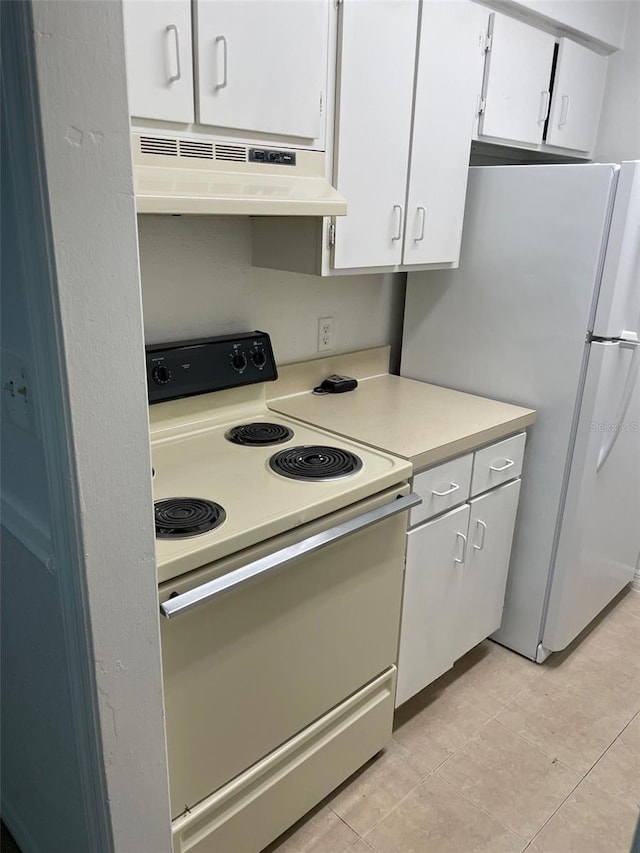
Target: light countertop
column 423, row 423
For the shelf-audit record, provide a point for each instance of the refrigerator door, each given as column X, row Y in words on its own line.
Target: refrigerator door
column 511, row 323
column 600, row 533
column 618, row 308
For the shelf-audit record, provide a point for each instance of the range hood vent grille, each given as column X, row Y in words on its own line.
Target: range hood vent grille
column 190, row 148
column 156, row 145
column 238, row 153
column 193, row 148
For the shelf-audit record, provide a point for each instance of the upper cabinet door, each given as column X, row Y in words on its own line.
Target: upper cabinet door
column 448, row 85
column 159, row 59
column 517, row 81
column 578, row 89
column 374, row 100
column 262, row 65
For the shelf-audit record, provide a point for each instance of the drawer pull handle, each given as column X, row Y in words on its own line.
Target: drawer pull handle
column 460, row 560
column 483, row 531
column 508, row 464
column 454, row 488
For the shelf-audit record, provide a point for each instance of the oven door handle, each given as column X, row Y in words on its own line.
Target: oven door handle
column 258, row 568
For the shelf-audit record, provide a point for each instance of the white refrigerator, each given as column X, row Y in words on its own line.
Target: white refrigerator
column 544, row 311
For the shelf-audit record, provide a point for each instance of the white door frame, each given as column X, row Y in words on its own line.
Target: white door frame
column 69, row 134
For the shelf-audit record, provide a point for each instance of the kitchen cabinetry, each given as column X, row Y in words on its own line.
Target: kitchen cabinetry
column 578, row 90
column 448, row 82
column 457, row 561
column 402, row 145
column 517, row 81
column 262, row 65
column 539, row 90
column 159, row 59
column 378, row 43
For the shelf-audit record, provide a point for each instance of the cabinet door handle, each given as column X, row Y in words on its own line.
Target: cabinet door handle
column 176, row 35
column 508, row 464
column 423, row 220
column 222, row 41
column 544, row 106
column 399, row 210
column 454, row 488
column 564, row 111
column 483, row 531
column 460, row 560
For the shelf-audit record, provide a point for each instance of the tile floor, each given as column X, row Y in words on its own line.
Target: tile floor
column 502, row 755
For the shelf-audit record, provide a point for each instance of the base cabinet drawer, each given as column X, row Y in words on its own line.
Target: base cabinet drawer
column 260, row 804
column 442, row 488
column 497, row 464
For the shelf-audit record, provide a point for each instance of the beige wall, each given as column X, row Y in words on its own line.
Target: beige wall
column 197, row 280
column 619, row 136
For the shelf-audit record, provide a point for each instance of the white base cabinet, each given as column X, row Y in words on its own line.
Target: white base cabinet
column 458, row 561
column 491, row 525
column 432, row 590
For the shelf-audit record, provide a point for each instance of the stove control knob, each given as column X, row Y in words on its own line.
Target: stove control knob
column 259, row 358
column 161, row 375
column 239, row 361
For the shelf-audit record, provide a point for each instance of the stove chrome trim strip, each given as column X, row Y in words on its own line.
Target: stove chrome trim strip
column 207, row 591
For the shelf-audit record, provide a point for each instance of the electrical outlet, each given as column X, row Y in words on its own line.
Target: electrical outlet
column 325, row 333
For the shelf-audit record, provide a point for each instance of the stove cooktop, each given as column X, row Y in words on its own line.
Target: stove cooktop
column 213, row 437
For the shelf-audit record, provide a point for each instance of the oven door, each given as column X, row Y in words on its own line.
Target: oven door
column 258, row 646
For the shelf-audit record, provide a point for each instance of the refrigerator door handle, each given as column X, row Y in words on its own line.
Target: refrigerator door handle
column 629, row 340
column 610, row 441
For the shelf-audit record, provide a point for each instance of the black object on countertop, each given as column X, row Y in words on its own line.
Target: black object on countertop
column 336, row 385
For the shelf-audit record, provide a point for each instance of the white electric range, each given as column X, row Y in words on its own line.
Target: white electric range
column 280, row 551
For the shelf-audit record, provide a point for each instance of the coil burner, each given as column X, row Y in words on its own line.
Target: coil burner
column 315, row 463
column 179, row 518
column 258, row 434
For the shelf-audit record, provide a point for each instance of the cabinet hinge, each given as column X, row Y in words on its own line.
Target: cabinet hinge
column 338, row 3
column 488, row 41
column 481, row 106
column 321, row 103
column 331, row 233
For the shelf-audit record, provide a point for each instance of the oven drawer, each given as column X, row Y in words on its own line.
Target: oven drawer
column 260, row 804
column 246, row 671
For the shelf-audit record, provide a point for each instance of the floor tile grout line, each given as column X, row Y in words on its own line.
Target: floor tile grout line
column 550, row 755
column 570, row 794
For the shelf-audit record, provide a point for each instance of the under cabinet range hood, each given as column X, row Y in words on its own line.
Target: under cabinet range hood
column 195, row 176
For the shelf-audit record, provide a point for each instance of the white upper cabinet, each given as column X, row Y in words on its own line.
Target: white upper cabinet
column 375, row 94
column 448, row 83
column 578, row 89
column 262, row 64
column 517, row 81
column 159, row 59
column 380, row 162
